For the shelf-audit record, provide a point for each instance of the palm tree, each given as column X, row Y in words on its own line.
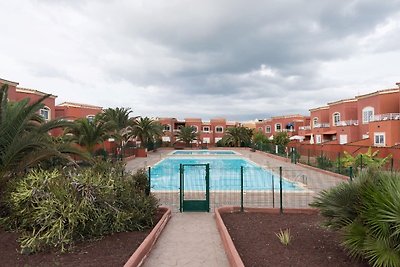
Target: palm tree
column 147, row 130
column 236, row 136
column 187, row 134
column 89, row 134
column 24, row 138
column 121, row 123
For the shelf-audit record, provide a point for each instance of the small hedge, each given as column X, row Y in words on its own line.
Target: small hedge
column 57, row 208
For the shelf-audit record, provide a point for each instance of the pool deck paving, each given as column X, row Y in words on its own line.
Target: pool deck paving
column 189, row 239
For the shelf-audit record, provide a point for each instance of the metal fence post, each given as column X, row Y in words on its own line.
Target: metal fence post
column 280, row 190
column 391, row 165
column 338, row 165
column 180, row 187
column 273, row 191
column 361, row 163
column 308, row 157
column 241, row 188
column 351, row 173
column 149, row 183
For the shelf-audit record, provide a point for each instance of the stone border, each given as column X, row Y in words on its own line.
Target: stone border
column 229, row 246
column 144, row 249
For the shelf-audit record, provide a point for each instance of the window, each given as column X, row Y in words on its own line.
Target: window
column 318, row 138
column 90, row 118
column 45, row 113
column 167, row 127
column 343, row 139
column 268, row 129
column 195, row 128
column 260, row 129
column 278, row 127
column 219, row 129
column 367, row 114
column 336, row 118
column 206, row 129
column 379, row 139
column 315, row 122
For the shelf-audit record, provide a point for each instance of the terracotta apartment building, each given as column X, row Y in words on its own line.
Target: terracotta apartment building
column 288, row 123
column 371, row 119
column 16, row 93
column 210, row 132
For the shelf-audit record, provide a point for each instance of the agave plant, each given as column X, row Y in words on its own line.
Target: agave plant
column 367, row 212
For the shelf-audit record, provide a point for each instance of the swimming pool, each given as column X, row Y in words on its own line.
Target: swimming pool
column 224, row 175
column 204, row 152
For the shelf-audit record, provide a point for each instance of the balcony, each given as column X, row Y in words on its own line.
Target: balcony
column 321, row 125
column 305, row 128
column 386, row 117
column 347, row 123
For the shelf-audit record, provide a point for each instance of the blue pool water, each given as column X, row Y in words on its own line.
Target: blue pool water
column 203, row 152
column 224, row 175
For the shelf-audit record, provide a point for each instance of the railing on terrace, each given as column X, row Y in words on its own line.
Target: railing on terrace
column 322, row 125
column 347, row 123
column 387, row 116
column 305, row 128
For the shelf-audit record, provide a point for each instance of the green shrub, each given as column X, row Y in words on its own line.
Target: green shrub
column 56, row 209
column 324, row 162
column 367, row 213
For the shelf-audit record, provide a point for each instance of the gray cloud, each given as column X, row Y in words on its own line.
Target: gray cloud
column 237, row 59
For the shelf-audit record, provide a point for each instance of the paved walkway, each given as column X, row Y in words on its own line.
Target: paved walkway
column 189, row 239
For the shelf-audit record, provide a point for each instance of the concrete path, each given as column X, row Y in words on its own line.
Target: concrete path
column 189, row 239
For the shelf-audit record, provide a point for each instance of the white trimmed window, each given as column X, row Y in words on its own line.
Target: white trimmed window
column 90, row 118
column 336, row 118
column 314, row 121
column 318, row 138
column 278, row 127
column 195, row 128
column 167, row 127
column 206, row 129
column 45, row 113
column 260, row 129
column 367, row 114
column 219, row 129
column 268, row 129
column 379, row 139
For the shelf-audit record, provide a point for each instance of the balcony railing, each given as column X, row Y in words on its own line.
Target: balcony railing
column 347, row 123
column 321, row 125
column 305, row 128
column 386, row 117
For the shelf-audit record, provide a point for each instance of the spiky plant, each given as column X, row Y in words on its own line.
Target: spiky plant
column 367, row 212
column 24, row 138
column 187, row 135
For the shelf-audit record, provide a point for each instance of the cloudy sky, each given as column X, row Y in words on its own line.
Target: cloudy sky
column 235, row 59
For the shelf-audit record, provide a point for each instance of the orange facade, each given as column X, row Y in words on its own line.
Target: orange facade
column 209, row 132
column 16, row 93
column 73, row 111
column 288, row 123
column 371, row 119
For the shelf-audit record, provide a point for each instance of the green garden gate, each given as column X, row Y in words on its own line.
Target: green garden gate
column 194, row 187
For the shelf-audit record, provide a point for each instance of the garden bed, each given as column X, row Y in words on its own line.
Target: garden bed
column 254, row 237
column 111, row 250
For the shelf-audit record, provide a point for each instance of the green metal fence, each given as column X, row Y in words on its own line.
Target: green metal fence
column 275, row 187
